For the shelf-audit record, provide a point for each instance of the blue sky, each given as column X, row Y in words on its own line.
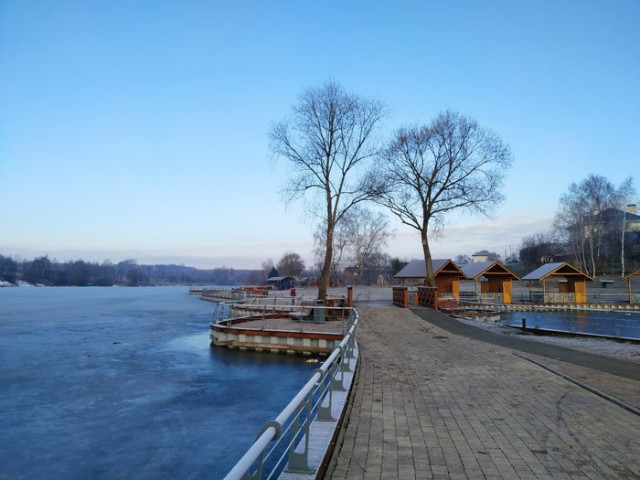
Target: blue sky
column 139, row 129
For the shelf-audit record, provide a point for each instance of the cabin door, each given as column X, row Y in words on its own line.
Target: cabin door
column 580, row 289
column 506, row 292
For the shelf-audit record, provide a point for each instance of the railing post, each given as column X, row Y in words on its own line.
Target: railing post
column 299, row 461
column 318, row 311
column 350, row 347
column 344, row 364
column 336, row 384
column 324, row 412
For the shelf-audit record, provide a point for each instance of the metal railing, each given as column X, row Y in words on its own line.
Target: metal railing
column 284, row 441
column 302, row 310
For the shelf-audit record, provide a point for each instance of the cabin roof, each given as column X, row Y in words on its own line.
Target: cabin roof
column 413, row 269
column 488, row 269
column 278, row 279
column 632, row 274
column 556, row 269
column 442, row 267
column 615, row 215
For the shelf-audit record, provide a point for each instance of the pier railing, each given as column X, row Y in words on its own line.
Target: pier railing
column 479, row 307
column 297, row 308
column 424, row 296
column 283, row 443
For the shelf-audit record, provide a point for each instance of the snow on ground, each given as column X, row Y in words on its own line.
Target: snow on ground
column 621, row 350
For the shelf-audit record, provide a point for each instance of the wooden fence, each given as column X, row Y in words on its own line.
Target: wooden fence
column 424, row 296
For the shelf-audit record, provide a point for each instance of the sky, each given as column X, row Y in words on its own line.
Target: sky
column 140, row 129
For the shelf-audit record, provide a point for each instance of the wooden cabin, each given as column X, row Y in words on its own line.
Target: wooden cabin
column 628, row 278
column 445, row 271
column 498, row 280
column 574, row 288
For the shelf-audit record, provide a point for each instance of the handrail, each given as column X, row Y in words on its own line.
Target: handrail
column 273, row 430
column 224, row 312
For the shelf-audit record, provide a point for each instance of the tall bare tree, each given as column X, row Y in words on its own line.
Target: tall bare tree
column 450, row 164
column 328, row 141
column 359, row 238
column 625, row 192
column 589, row 216
column 367, row 233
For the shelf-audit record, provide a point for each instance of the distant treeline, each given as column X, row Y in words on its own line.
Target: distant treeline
column 44, row 271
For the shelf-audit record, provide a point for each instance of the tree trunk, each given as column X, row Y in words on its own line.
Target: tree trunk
column 429, row 279
column 624, row 229
column 592, row 257
column 326, row 267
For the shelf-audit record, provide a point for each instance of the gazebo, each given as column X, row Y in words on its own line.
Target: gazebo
column 575, row 281
column 445, row 271
column 282, row 283
column 499, row 279
column 628, row 278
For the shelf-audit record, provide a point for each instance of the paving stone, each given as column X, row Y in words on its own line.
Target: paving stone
column 436, row 407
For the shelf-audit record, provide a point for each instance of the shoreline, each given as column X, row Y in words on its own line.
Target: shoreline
column 380, row 297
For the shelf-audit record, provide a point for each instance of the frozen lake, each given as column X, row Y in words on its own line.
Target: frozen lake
column 618, row 324
column 122, row 383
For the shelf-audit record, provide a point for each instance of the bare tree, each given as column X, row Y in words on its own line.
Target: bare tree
column 539, row 248
column 451, row 164
column 340, row 241
column 291, row 265
column 328, row 141
column 591, row 217
column 462, row 259
column 367, row 233
column 625, row 192
column 267, row 266
column 359, row 238
column 493, row 257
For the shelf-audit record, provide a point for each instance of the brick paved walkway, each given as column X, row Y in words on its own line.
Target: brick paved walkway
column 429, row 404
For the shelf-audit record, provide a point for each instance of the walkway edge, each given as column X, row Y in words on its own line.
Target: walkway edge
column 341, row 429
column 584, row 385
column 322, row 434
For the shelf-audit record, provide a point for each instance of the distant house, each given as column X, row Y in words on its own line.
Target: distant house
column 629, row 218
column 612, row 219
column 614, row 216
column 483, row 256
column 281, row 283
column 606, row 229
column 445, row 271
